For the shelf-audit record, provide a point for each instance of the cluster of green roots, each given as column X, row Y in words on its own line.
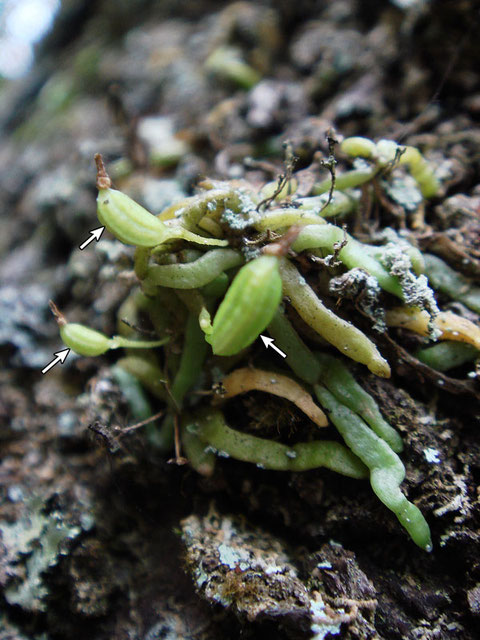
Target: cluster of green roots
column 218, row 269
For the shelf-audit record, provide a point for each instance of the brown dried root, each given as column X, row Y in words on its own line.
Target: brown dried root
column 448, row 325
column 243, row 380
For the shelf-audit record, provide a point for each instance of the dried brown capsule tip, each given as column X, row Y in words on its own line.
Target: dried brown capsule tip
column 59, row 317
column 103, row 179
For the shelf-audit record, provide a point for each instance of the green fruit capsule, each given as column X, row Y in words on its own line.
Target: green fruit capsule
column 248, row 307
column 131, row 223
column 83, row 340
column 88, row 342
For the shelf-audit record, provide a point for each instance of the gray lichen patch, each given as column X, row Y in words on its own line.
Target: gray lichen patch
column 364, row 289
column 404, row 191
column 251, row 573
column 416, row 291
column 30, row 547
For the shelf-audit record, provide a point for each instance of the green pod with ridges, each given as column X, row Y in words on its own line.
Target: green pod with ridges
column 83, row 340
column 128, row 221
column 248, row 307
column 132, row 224
column 88, row 342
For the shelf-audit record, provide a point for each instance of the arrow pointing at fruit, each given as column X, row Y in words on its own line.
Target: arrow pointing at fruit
column 268, row 342
column 60, row 356
column 94, row 235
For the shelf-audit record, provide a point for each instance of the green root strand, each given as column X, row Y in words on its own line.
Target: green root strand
column 192, row 299
column 385, row 152
column 421, row 171
column 133, row 392
column 189, row 369
column 339, row 206
column 310, row 211
column 128, row 314
column 139, row 405
column 217, row 287
column 197, row 305
column 334, row 375
column 354, row 253
column 210, row 428
column 447, row 355
column 386, row 468
column 140, row 261
column 281, row 218
column 193, row 355
column 201, row 457
column 226, row 63
column 355, row 146
column 299, row 357
column 194, row 274
column 341, row 334
column 147, row 372
column 339, row 381
column 348, row 180
column 443, row 278
column 159, row 314
column 212, row 202
column 166, row 307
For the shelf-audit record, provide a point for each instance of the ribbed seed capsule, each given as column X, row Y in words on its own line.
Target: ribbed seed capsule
column 131, row 223
column 88, row 342
column 248, row 307
column 83, row 340
column 128, row 221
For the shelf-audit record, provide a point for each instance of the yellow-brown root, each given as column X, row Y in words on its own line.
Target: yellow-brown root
column 245, row 379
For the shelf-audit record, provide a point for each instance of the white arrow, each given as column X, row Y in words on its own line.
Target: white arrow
column 268, row 342
column 59, row 357
column 94, row 235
